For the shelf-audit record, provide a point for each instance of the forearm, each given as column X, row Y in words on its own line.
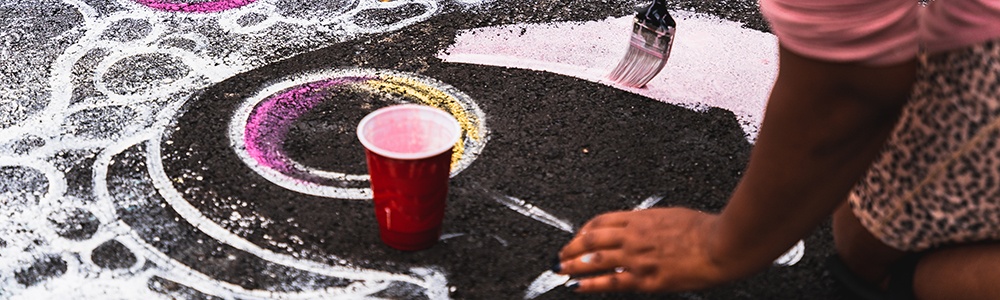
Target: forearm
column 824, row 125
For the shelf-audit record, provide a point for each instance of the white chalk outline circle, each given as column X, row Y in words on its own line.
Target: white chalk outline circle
column 238, row 123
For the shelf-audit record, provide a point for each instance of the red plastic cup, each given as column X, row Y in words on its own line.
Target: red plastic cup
column 408, row 149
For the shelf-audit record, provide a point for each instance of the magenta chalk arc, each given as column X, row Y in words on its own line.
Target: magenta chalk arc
column 196, row 7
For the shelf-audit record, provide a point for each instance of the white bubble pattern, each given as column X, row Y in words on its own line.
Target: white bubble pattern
column 111, row 107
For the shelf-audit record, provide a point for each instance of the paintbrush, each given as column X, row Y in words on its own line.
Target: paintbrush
column 649, row 46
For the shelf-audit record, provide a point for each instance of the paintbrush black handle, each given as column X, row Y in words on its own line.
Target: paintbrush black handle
column 655, row 15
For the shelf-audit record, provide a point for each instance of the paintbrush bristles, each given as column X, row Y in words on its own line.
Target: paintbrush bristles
column 647, row 53
column 637, row 68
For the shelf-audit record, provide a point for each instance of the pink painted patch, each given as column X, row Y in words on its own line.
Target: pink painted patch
column 198, row 7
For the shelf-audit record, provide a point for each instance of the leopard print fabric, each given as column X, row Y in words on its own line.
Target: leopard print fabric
column 937, row 182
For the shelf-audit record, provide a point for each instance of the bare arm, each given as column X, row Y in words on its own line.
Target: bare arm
column 825, row 123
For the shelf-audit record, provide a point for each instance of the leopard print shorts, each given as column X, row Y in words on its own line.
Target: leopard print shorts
column 937, row 181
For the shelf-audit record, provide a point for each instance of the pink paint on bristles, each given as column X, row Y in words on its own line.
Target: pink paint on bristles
column 649, row 47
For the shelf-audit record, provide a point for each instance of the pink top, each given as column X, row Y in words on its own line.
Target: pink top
column 880, row 32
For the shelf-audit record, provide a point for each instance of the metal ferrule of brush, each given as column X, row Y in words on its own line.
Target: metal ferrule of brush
column 656, row 14
column 654, row 25
column 654, row 38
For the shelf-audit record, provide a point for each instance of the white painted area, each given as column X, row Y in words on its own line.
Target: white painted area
column 534, row 212
column 649, row 202
column 448, row 236
column 792, row 256
column 713, row 62
column 544, row 283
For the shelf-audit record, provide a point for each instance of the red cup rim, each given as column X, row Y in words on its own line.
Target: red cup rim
column 449, row 119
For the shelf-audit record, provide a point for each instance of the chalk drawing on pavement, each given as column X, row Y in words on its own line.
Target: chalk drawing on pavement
column 86, row 88
column 81, row 174
column 256, row 131
column 258, row 128
column 152, row 215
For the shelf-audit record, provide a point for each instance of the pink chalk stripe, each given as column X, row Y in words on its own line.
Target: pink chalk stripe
column 198, row 7
column 270, row 120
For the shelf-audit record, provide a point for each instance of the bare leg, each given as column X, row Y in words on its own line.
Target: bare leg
column 969, row 271
column 961, row 272
column 864, row 254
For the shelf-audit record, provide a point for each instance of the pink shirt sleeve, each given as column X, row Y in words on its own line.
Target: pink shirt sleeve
column 953, row 24
column 880, row 32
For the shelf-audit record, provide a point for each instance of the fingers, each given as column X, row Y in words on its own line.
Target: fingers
column 603, row 231
column 610, row 282
column 593, row 240
column 593, row 263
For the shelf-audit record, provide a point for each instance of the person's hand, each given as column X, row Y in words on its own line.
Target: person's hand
column 655, row 250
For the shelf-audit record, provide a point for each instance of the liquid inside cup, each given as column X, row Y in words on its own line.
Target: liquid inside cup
column 409, row 131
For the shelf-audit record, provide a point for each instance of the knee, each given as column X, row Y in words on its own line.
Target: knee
column 862, row 252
